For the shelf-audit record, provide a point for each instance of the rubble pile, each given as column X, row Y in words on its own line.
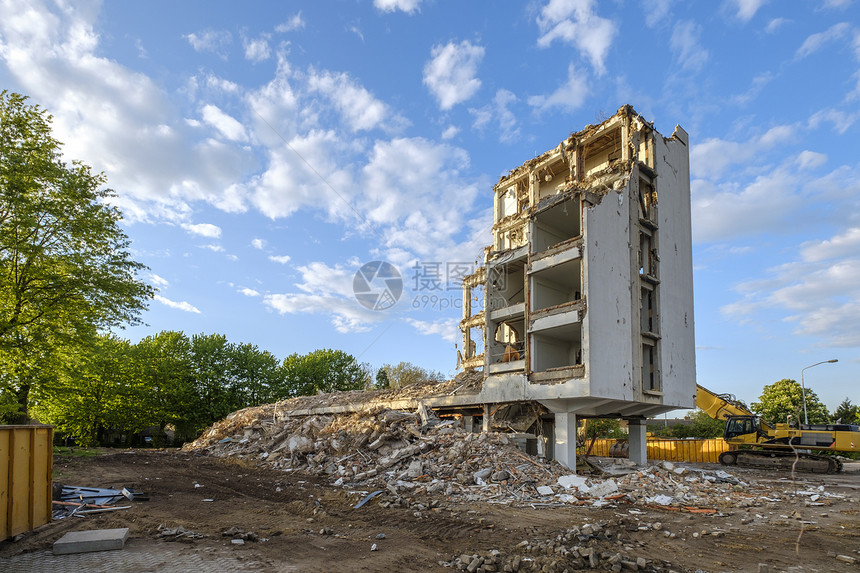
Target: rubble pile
column 603, row 545
column 403, row 453
column 403, row 449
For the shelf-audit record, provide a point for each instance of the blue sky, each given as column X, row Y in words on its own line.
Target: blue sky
column 263, row 152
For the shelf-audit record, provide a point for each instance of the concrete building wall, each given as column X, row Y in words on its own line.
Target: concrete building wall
column 676, row 272
column 609, row 344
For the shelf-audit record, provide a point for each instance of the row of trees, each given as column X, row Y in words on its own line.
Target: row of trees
column 113, row 388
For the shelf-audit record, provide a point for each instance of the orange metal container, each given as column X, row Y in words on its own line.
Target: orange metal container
column 26, row 462
column 675, row 450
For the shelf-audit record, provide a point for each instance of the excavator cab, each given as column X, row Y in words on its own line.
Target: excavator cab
column 743, row 429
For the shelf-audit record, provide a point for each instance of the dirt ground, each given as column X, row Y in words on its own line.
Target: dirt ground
column 305, row 524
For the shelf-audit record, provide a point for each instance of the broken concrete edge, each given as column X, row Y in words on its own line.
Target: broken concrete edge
column 92, row 540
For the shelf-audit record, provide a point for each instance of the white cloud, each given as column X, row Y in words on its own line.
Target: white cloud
column 258, row 243
column 257, row 49
column 822, row 298
column 686, row 45
column 731, row 209
column 759, row 82
column 249, row 291
column 356, row 105
column 816, row 41
column 326, row 290
column 204, row 230
column 357, row 31
column 569, row 96
column 499, row 111
column 289, row 183
column 294, row 23
column 746, row 9
column 406, row 172
column 775, row 24
column 217, row 42
column 118, row 121
column 836, row 4
column 845, row 245
column 450, row 132
column 280, row 259
column 575, row 22
column 158, row 282
column 841, row 120
column 407, row 6
column 214, row 82
column 712, row 157
column 656, row 11
column 213, row 248
column 447, row 328
column 228, row 126
column 450, row 73
column 184, row 306
column 781, row 200
column 810, row 159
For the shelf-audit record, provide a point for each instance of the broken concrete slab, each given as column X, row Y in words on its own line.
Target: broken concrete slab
column 93, row 540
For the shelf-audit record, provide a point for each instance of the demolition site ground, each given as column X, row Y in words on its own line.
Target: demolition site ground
column 222, row 514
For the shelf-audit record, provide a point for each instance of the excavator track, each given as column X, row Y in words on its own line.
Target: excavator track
column 783, row 459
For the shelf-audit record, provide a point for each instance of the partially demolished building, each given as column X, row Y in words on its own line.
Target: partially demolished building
column 584, row 301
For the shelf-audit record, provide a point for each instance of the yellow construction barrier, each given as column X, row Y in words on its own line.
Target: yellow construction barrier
column 673, row 450
column 25, row 478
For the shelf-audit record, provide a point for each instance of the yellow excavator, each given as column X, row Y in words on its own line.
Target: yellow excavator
column 790, row 446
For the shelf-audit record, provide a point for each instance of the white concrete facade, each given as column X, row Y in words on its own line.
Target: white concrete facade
column 588, row 284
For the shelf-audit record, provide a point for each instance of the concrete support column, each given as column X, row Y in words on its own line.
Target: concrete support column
column 488, row 419
column 564, row 447
column 469, row 423
column 638, row 450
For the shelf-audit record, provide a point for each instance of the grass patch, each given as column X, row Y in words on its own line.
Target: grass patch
column 75, row 452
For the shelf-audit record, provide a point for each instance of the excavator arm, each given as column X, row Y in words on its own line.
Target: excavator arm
column 722, row 406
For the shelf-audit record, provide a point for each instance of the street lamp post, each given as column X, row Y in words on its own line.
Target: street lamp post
column 803, row 386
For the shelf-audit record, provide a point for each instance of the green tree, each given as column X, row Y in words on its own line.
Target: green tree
column 701, row 426
column 382, row 381
column 65, row 265
column 847, row 412
column 784, row 398
column 603, row 428
column 321, row 371
column 256, row 375
column 215, row 393
column 164, row 383
column 405, row 373
column 90, row 394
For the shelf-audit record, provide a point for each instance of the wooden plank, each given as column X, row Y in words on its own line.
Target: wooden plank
column 41, row 462
column 4, row 483
column 19, row 470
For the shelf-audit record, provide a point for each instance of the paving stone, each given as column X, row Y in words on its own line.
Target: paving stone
column 93, row 540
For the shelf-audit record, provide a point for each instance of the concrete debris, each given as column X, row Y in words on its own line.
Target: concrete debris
column 178, row 533
column 398, row 455
column 603, row 546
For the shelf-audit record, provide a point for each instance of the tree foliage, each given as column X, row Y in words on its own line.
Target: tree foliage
column 404, row 374
column 784, row 398
column 603, row 428
column 65, row 266
column 322, row 371
column 847, row 413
